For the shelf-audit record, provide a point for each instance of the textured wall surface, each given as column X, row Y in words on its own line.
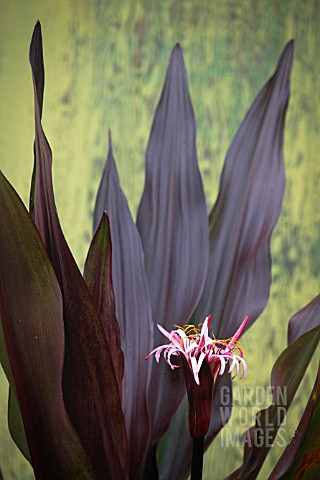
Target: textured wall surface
column 105, row 63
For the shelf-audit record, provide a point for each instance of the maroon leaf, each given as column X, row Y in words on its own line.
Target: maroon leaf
column 302, row 455
column 89, row 383
column 15, row 422
column 98, row 277
column 31, row 313
column 286, row 376
column 133, row 309
column 36, row 59
column 172, row 220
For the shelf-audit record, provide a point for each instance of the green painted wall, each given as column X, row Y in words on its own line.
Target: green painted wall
column 105, row 63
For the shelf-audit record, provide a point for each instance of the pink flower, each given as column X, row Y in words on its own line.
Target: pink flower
column 197, row 346
column 202, row 358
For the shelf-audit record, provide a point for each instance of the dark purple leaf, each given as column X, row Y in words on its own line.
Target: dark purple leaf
column 31, row 313
column 247, row 209
column 98, row 277
column 302, row 455
column 310, row 315
column 286, row 376
column 172, row 220
column 89, row 383
column 133, row 310
column 36, row 59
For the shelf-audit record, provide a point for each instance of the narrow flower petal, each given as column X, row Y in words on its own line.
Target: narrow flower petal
column 235, row 337
column 194, row 369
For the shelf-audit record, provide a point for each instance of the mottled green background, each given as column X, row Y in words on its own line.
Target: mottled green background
column 105, row 63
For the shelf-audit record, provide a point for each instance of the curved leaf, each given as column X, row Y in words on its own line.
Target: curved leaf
column 172, row 220
column 247, row 209
column 302, row 455
column 310, row 315
column 89, row 383
column 133, row 309
column 31, row 313
column 286, row 376
column 98, row 277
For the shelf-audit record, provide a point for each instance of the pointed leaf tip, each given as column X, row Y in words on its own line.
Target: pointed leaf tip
column 285, row 62
column 133, row 308
column 176, row 58
column 36, row 42
column 109, row 138
column 37, row 64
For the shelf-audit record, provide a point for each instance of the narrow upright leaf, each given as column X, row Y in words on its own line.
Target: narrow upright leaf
column 98, row 277
column 247, row 209
column 133, row 310
column 89, row 382
column 172, row 220
column 36, row 59
column 31, row 314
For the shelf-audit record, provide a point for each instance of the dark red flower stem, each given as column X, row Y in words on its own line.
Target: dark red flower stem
column 197, row 459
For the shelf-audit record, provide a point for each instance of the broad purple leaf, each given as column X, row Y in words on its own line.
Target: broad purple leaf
column 89, row 383
column 133, row 310
column 247, row 209
column 310, row 315
column 302, row 455
column 98, row 277
column 31, row 313
column 286, row 376
column 172, row 220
